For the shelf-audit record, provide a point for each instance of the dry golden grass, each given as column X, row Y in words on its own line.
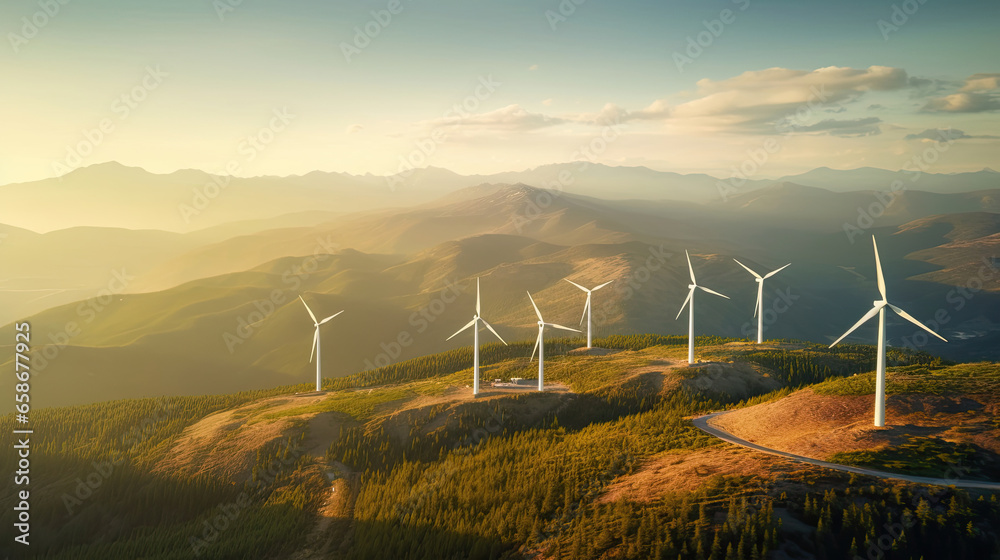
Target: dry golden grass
column 818, row 426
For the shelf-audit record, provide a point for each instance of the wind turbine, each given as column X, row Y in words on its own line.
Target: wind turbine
column 316, row 345
column 474, row 323
column 540, row 343
column 689, row 301
column 758, row 309
column 586, row 307
column 879, row 308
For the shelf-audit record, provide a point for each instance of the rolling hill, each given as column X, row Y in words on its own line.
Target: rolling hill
column 405, row 277
column 403, row 451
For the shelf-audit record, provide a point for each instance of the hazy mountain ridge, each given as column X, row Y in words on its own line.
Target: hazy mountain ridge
column 114, row 195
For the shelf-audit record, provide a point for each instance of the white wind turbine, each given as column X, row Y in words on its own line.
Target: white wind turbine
column 689, row 301
column 586, row 307
column 879, row 308
column 758, row 309
column 474, row 323
column 316, row 345
column 540, row 343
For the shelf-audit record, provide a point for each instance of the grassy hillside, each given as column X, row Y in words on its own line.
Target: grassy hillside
column 401, row 462
column 940, row 421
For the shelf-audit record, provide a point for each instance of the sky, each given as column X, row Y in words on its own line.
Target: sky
column 252, row 87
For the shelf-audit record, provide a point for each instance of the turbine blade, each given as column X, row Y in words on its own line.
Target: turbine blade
column 469, row 324
column 585, row 306
column 602, row 285
column 537, row 312
column 478, row 311
column 910, row 318
column 537, row 342
column 773, row 272
column 577, row 285
column 683, row 305
column 878, row 268
column 713, row 292
column 561, row 327
column 309, row 310
column 874, row 311
column 315, row 342
column 690, row 268
column 488, row 326
column 748, row 269
column 760, row 295
column 330, row 317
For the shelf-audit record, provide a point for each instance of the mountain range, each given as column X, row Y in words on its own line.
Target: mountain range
column 215, row 310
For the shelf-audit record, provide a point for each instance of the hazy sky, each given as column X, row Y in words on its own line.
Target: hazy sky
column 823, row 81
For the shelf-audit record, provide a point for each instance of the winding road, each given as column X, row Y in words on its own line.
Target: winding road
column 702, row 423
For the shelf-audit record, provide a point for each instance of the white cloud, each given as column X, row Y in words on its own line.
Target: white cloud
column 768, row 100
column 981, row 82
column 938, row 134
column 963, row 103
column 509, row 118
column 868, row 126
column 354, row 128
column 760, row 101
column 533, row 67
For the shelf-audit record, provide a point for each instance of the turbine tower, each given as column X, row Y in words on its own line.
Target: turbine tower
column 586, row 307
column 689, row 302
column 879, row 309
column 540, row 343
column 316, row 345
column 474, row 323
column 758, row 309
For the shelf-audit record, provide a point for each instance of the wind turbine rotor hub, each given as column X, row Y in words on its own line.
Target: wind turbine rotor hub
column 692, row 286
column 759, row 280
